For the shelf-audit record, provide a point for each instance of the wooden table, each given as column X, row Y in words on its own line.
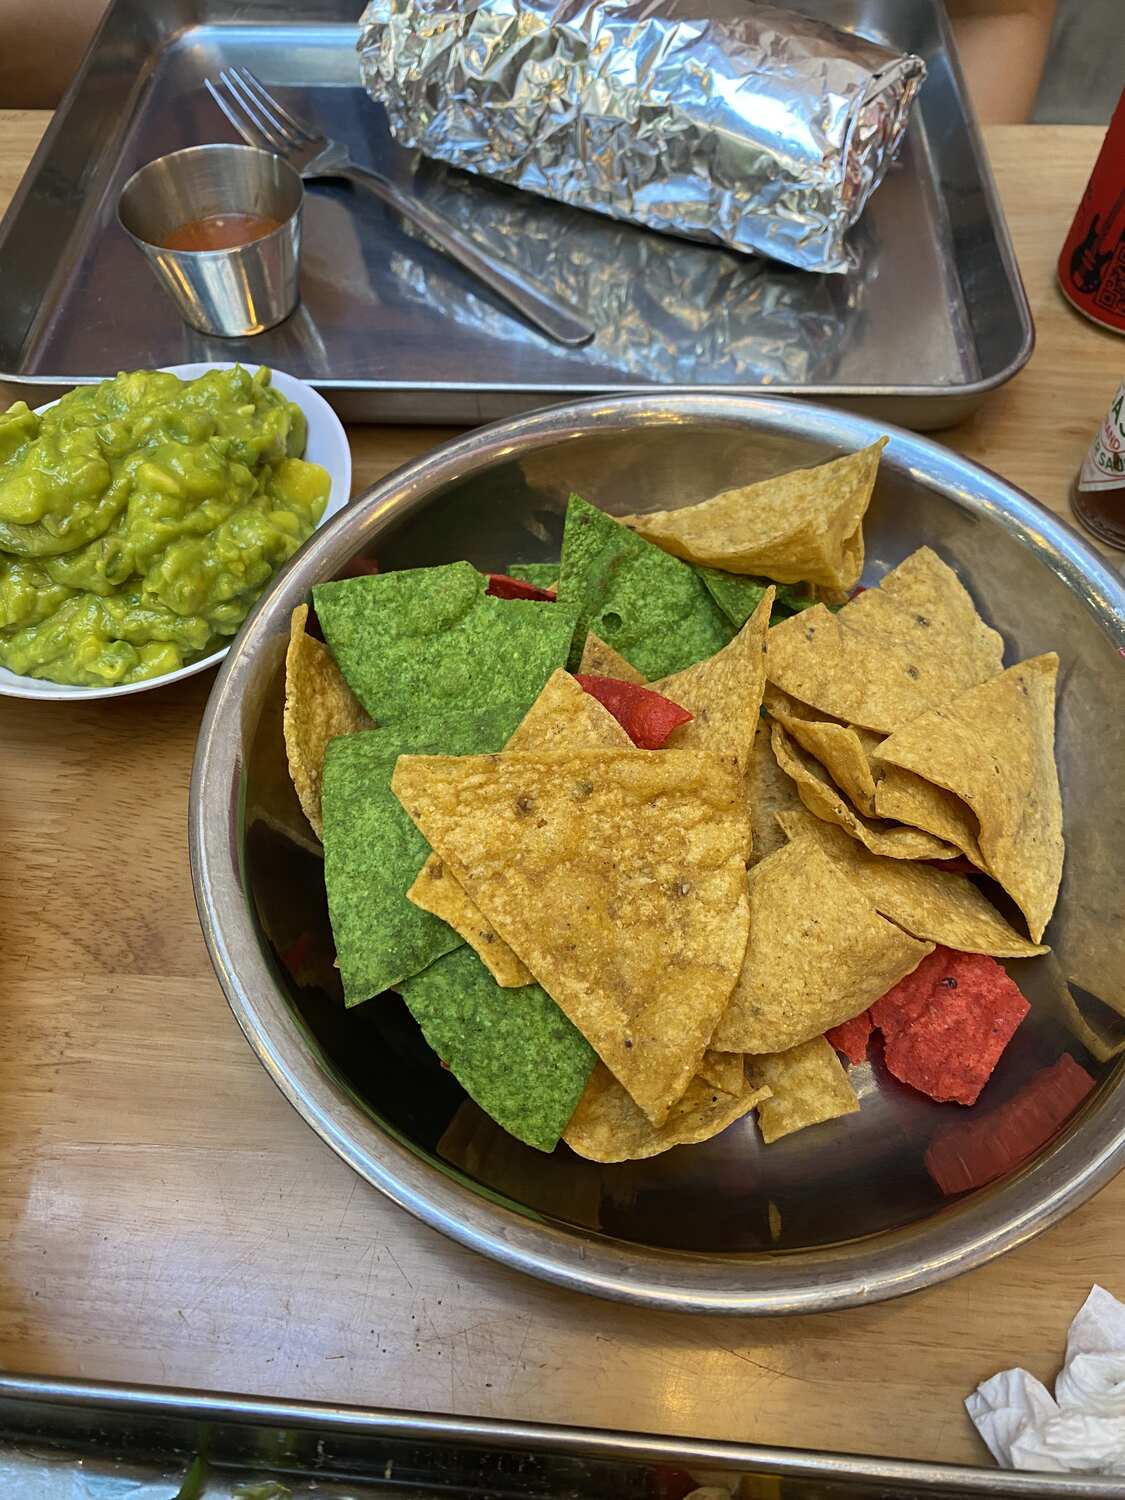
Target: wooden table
column 166, row 1217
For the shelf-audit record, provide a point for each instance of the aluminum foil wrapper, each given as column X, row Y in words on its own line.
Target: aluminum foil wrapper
column 718, row 120
column 667, row 312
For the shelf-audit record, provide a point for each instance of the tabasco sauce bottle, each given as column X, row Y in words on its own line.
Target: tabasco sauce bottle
column 1098, row 495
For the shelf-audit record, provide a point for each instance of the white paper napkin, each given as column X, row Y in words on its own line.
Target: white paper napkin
column 1079, row 1430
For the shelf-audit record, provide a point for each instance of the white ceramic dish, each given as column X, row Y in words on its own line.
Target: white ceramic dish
column 327, row 446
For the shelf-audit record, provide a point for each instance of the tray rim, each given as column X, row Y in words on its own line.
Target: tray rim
column 186, row 1403
column 967, row 1234
column 939, row 395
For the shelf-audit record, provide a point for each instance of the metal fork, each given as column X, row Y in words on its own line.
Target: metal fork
column 261, row 120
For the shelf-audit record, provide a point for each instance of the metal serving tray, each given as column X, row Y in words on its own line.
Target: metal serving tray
column 932, row 317
column 76, row 1440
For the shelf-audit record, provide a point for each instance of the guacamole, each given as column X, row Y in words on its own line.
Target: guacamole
column 141, row 518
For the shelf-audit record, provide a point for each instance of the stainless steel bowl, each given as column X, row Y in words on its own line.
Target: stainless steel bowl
column 859, row 1218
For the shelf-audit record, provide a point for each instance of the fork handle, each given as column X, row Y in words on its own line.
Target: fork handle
column 555, row 317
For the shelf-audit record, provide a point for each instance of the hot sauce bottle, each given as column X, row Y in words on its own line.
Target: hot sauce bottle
column 1092, row 263
column 1098, row 495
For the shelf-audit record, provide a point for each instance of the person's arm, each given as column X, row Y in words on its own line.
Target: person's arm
column 41, row 45
column 1003, row 46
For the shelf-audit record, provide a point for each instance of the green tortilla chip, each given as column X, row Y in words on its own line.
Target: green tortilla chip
column 513, row 1051
column 542, row 575
column 413, row 644
column 373, row 852
column 647, row 605
column 738, row 596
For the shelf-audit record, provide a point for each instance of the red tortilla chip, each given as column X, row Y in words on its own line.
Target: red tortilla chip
column 647, row 718
column 973, row 1152
column 851, row 1037
column 945, row 1025
column 500, row 586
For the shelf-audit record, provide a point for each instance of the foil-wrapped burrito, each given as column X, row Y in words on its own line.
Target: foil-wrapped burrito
column 719, row 120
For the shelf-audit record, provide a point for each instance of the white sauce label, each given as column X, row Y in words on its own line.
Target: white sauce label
column 1103, row 468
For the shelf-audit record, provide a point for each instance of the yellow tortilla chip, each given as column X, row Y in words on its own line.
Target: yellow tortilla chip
column 563, row 717
column 319, row 705
column 439, row 891
column 773, row 1218
column 819, row 953
column 601, row 660
column 994, row 747
column 566, row 717
column 608, row 1126
column 889, row 655
column 816, row 791
column 842, row 750
column 770, row 792
column 807, row 1086
column 724, row 692
column 874, row 789
column 617, row 876
column 724, row 1070
column 802, row 527
column 903, row 797
column 928, row 903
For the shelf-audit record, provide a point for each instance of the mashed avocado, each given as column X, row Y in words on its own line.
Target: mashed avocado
column 141, row 518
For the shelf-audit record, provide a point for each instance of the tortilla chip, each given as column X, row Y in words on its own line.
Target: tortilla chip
column 724, row 693
column 563, row 717
column 891, row 653
column 738, row 596
column 946, row 1025
column 619, row 878
column 905, row 798
column 819, row 953
column 804, row 526
column 928, row 903
column 807, row 1087
column 501, row 586
column 647, row 717
column 600, row 660
column 513, row 1051
column 820, row 796
column 608, row 1126
column 723, row 1070
column 971, row 1152
column 412, row 643
column 319, row 706
column 566, row 717
column 372, row 851
column 842, row 750
column 438, row 891
column 770, row 792
column 994, row 747
column 852, row 1037
column 647, row 605
column 542, row 575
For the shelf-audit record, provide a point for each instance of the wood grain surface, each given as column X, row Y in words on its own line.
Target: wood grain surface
column 166, row 1217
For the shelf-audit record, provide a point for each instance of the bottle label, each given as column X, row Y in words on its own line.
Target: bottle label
column 1092, row 263
column 1103, row 468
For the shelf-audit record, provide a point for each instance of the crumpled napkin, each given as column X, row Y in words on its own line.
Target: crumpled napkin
column 1079, row 1430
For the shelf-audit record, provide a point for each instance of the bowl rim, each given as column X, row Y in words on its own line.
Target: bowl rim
column 962, row 1235
column 310, row 400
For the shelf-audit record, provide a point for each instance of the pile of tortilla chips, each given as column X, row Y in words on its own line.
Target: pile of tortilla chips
column 629, row 905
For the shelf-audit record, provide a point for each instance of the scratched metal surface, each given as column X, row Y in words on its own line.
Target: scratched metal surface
column 932, row 316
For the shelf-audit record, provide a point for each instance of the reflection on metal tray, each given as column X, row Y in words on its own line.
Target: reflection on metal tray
column 931, row 316
column 75, row 1440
